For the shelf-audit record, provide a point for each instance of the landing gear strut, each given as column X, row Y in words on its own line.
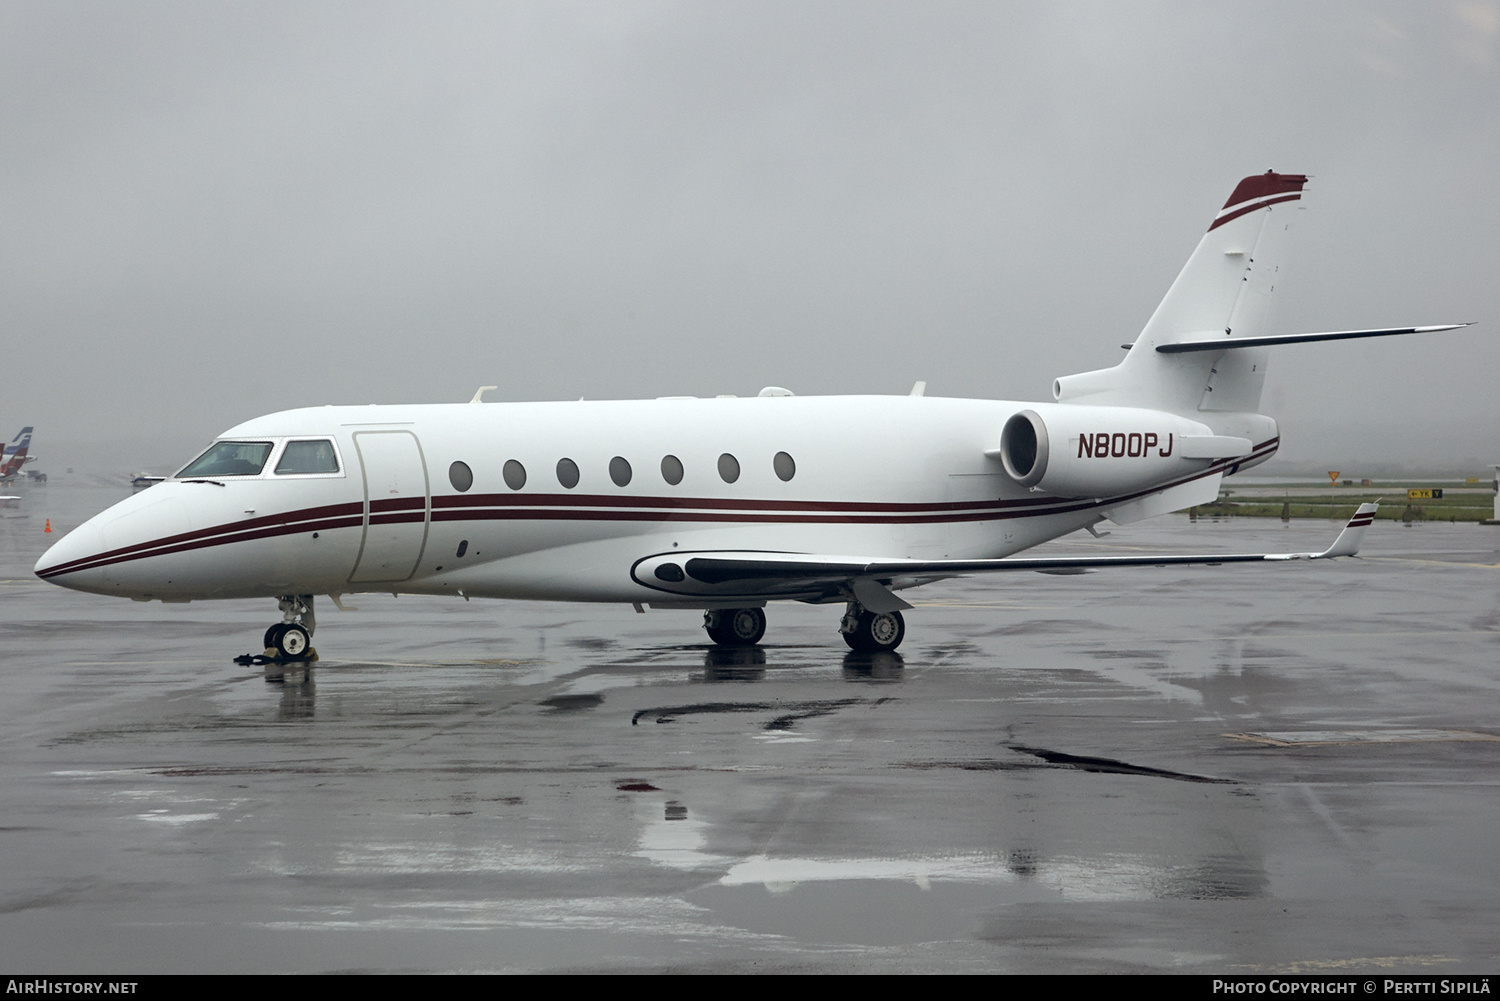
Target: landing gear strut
column 735, row 626
column 872, row 632
column 291, row 638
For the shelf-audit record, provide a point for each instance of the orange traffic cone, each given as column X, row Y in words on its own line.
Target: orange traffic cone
column 48, row 529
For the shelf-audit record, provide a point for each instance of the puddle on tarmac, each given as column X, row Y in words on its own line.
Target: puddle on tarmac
column 898, row 901
column 863, row 912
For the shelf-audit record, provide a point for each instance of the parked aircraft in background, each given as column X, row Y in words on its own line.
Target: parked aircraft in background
column 14, row 455
column 725, row 504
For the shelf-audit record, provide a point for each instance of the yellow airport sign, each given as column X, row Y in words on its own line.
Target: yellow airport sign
column 1333, row 474
column 1425, row 493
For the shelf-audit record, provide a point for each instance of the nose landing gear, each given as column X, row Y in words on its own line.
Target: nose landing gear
column 291, row 639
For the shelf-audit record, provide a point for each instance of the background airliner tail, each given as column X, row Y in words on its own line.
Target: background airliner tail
column 1224, row 291
column 14, row 456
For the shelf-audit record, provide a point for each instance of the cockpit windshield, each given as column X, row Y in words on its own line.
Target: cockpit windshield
column 229, row 458
column 308, row 457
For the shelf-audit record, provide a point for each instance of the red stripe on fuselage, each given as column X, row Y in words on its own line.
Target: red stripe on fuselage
column 166, row 547
column 302, row 520
column 523, row 507
column 398, row 504
column 719, row 503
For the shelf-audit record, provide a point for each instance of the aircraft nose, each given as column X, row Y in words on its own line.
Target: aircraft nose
column 67, row 562
column 111, row 552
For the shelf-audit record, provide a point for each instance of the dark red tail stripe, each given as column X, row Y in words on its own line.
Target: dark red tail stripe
column 1251, row 208
column 353, row 516
column 1261, row 185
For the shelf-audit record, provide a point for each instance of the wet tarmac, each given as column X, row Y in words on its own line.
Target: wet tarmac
column 1286, row 768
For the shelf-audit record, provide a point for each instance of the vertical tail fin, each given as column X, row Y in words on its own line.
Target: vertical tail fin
column 1224, row 290
column 15, row 453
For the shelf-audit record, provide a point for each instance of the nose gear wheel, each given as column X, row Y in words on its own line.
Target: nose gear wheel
column 290, row 641
column 291, row 638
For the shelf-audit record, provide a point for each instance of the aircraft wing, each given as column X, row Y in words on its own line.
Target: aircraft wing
column 764, row 575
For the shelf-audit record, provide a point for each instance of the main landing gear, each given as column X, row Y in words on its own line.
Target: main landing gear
column 865, row 631
column 291, row 638
column 735, row 626
column 872, row 632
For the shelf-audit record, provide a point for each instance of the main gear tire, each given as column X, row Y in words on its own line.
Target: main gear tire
column 876, row 632
column 735, row 626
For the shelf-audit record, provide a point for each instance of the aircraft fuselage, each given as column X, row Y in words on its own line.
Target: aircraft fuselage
column 881, row 476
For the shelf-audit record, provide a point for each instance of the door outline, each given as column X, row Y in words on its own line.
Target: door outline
column 364, row 473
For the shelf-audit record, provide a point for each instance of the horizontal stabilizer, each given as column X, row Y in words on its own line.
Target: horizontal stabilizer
column 1224, row 343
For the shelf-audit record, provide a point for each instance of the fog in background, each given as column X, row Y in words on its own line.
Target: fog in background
column 214, row 211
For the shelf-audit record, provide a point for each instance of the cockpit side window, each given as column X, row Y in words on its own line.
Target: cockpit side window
column 229, row 458
column 308, row 457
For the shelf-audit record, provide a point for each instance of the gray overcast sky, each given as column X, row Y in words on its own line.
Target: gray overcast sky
column 213, row 211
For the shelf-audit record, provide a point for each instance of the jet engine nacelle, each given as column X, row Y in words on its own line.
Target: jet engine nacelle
column 1082, row 451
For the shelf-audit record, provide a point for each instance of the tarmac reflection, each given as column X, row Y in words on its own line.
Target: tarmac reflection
column 884, row 666
column 734, row 663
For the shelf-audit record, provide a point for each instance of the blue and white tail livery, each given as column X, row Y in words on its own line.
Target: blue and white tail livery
column 725, row 504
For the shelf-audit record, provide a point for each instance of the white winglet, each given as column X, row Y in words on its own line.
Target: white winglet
column 1347, row 544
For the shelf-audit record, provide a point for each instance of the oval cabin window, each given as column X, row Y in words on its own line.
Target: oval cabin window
column 785, row 467
column 619, row 471
column 729, row 468
column 671, row 469
column 461, row 476
column 514, row 473
column 567, row 473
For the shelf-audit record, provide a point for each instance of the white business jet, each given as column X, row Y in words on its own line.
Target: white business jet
column 724, row 504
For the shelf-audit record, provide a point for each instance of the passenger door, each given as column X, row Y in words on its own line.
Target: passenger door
column 396, row 505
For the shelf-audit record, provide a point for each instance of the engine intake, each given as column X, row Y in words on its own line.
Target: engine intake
column 1023, row 448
